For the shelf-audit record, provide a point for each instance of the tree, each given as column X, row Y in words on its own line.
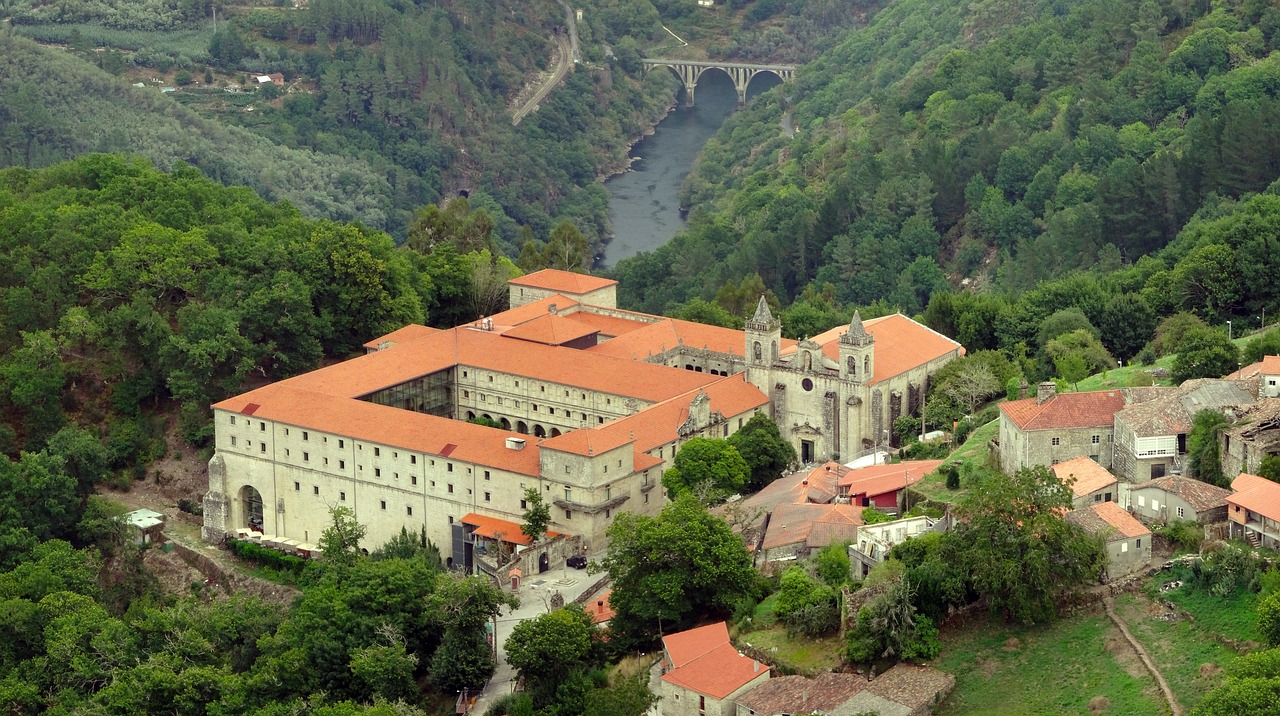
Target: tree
column 386, row 668
column 1014, row 547
column 1270, row 468
column 547, row 649
column 629, row 697
column 702, row 311
column 767, row 454
column 1203, row 457
column 1072, row 368
column 666, row 571
column 1204, row 353
column 707, row 466
column 537, row 515
column 1269, row 619
column 464, row 660
column 832, row 564
column 972, row 383
column 340, row 541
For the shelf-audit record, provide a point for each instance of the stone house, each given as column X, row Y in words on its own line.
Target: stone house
column 787, row 695
column 703, row 673
column 1052, row 428
column 1254, row 436
column 904, row 690
column 1253, row 511
column 1089, row 481
column 1172, row 498
column 794, row 515
column 1128, row 541
column 578, row 287
column 1151, row 436
column 1267, row 374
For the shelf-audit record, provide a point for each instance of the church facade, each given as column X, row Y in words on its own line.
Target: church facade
column 591, row 403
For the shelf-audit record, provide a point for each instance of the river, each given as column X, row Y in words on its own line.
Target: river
column 644, row 203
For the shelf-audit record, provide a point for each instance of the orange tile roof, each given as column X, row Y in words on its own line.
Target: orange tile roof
column 683, row 647
column 411, row 332
column 362, row 420
column 601, row 608
column 874, row 480
column 499, row 529
column 1087, row 474
column 611, row 326
column 1199, row 495
column 659, row 424
column 1270, row 365
column 1107, row 519
column 587, row 441
column 1065, row 410
column 529, row 311
column 815, row 525
column 900, row 345
column 670, row 333
column 718, row 673
column 550, row 329
column 817, row 486
column 800, row 695
column 563, row 281
column 1257, row 494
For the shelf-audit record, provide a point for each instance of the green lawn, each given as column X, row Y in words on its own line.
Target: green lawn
column 1130, row 376
column 1188, row 651
column 1053, row 669
column 973, row 452
column 800, row 653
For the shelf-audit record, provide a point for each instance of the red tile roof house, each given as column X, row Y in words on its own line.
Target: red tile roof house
column 1174, row 498
column 1090, row 482
column 1253, row 511
column 1052, row 428
column 795, row 515
column 703, row 673
column 880, row 486
column 1128, row 541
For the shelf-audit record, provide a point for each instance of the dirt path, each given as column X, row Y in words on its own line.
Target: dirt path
column 1174, row 706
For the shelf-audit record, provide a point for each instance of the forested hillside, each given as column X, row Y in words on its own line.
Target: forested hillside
column 388, row 105
column 1007, row 143
column 124, row 290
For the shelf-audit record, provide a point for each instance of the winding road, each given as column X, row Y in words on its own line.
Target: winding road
column 568, row 55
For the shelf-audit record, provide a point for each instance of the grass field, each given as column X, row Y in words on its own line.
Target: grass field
column 1130, row 376
column 799, row 653
column 1189, row 652
column 972, row 453
column 1052, row 669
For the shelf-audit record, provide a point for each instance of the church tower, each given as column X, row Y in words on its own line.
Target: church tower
column 857, row 352
column 764, row 339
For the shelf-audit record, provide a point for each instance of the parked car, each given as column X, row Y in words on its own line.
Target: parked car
column 577, row 561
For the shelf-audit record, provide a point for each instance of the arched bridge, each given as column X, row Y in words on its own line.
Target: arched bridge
column 740, row 72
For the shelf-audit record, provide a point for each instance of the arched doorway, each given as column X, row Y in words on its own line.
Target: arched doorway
column 251, row 503
column 555, row 432
column 506, row 424
column 544, row 563
column 522, row 427
column 539, row 431
column 471, row 415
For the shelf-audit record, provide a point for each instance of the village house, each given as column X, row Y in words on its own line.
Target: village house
column 1267, row 374
column 872, row 544
column 1253, row 437
column 1052, row 428
column 787, row 695
column 1089, row 481
column 904, row 690
column 1151, row 436
column 795, row 515
column 703, row 673
column 1172, row 498
column 592, row 404
column 882, row 486
column 1128, row 541
column 1253, row 511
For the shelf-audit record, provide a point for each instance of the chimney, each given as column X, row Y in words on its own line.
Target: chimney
column 1045, row 390
column 551, row 309
column 1022, row 389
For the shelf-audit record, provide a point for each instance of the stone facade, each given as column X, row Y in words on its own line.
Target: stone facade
column 1158, row 505
column 677, row 701
column 1055, row 434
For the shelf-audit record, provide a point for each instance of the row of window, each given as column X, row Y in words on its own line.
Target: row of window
column 1096, row 439
column 541, row 389
column 533, row 407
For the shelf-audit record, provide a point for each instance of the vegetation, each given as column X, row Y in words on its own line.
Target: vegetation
column 708, row 467
column 537, row 515
column 1202, row 447
column 767, row 454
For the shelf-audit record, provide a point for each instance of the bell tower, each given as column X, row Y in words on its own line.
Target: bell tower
column 764, row 340
column 857, row 352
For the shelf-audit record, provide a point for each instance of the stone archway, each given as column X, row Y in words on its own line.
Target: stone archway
column 539, row 431
column 506, row 424
column 522, row 427
column 251, row 505
column 555, row 432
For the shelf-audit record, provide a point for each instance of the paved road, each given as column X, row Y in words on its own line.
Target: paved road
column 534, row 595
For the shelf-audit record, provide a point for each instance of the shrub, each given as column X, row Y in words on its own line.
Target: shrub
column 1184, row 535
column 872, row 516
column 267, row 557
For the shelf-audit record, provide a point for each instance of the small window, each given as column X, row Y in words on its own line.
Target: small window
column 486, row 474
column 450, row 468
column 233, row 440
column 315, row 489
column 568, row 515
column 1057, row 441
column 383, row 504
column 1124, row 547
column 297, row 487
column 524, row 505
column 286, row 431
column 413, row 480
column 566, row 469
column 286, row 452
column 490, row 379
column 408, row 511
column 646, row 498
column 1096, row 439
column 450, row 519
column 1181, row 513
column 342, row 464
column 1138, row 543
column 606, row 514
column 450, row 490
column 233, row 420
column 306, row 435
column 1142, row 501
column 377, row 452
column 377, row 472
column 341, row 443
column 326, row 461
column 262, row 447
column 486, row 497
column 262, row 427
column 464, row 374
column 306, row 457
column 342, row 497
column 413, row 459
